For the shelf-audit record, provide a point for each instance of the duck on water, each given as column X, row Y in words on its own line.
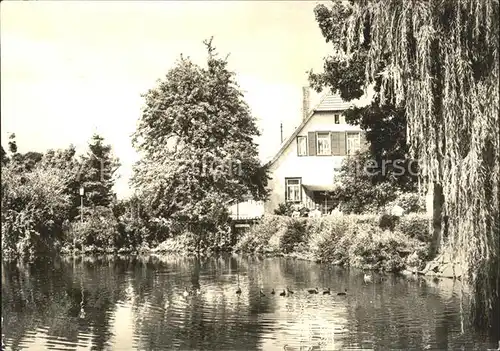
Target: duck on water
column 342, row 293
column 285, row 292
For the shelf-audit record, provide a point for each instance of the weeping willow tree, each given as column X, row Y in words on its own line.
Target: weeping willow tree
column 440, row 60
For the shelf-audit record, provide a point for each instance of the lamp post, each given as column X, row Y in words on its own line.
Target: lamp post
column 82, row 191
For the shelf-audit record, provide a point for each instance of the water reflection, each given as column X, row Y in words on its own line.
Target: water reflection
column 138, row 303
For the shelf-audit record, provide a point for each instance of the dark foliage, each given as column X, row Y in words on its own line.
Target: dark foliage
column 388, row 221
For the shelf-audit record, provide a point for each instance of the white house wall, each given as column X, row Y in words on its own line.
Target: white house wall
column 314, row 170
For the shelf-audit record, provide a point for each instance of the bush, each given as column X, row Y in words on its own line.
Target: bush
column 284, row 209
column 360, row 192
column 304, row 212
column 183, row 243
column 294, row 235
column 34, row 207
column 354, row 240
column 263, row 236
column 216, row 238
column 332, row 242
column 99, row 229
column 132, row 232
column 388, row 221
column 375, row 248
column 415, row 226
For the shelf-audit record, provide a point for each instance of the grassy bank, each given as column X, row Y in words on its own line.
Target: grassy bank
column 382, row 243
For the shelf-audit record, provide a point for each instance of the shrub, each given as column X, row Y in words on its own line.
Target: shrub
column 415, row 226
column 354, row 240
column 263, row 236
column 294, row 235
column 374, row 248
column 284, row 209
column 34, row 206
column 216, row 238
column 388, row 221
column 99, row 229
column 332, row 249
column 304, row 212
column 360, row 192
column 183, row 243
column 132, row 232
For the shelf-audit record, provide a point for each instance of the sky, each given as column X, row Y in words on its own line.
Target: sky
column 70, row 69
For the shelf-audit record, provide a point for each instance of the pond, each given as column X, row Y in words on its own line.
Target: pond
column 137, row 303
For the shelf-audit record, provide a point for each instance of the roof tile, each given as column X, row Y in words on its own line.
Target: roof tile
column 332, row 102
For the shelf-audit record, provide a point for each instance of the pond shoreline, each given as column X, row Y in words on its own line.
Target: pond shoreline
column 434, row 268
column 368, row 242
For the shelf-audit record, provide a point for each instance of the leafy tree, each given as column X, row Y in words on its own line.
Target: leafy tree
column 23, row 162
column 30, row 159
column 196, row 135
column 97, row 173
column 134, row 224
column 12, row 144
column 34, row 207
column 385, row 124
column 65, row 160
column 357, row 192
column 15, row 156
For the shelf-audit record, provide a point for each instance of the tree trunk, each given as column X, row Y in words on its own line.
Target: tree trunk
column 438, row 223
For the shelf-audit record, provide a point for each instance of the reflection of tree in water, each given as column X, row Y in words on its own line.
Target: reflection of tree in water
column 209, row 320
column 47, row 296
column 399, row 314
column 387, row 315
column 105, row 285
column 31, row 299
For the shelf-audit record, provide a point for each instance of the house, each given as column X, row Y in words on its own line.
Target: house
column 305, row 168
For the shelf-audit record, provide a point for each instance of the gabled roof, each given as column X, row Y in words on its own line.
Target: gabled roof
column 331, row 102
column 328, row 102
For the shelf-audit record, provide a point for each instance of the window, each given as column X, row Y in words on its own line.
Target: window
column 324, row 144
column 337, row 118
column 302, row 146
column 293, row 187
column 353, row 143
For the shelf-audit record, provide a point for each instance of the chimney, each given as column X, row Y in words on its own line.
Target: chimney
column 305, row 102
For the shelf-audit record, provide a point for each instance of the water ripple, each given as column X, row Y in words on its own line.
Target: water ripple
column 138, row 304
